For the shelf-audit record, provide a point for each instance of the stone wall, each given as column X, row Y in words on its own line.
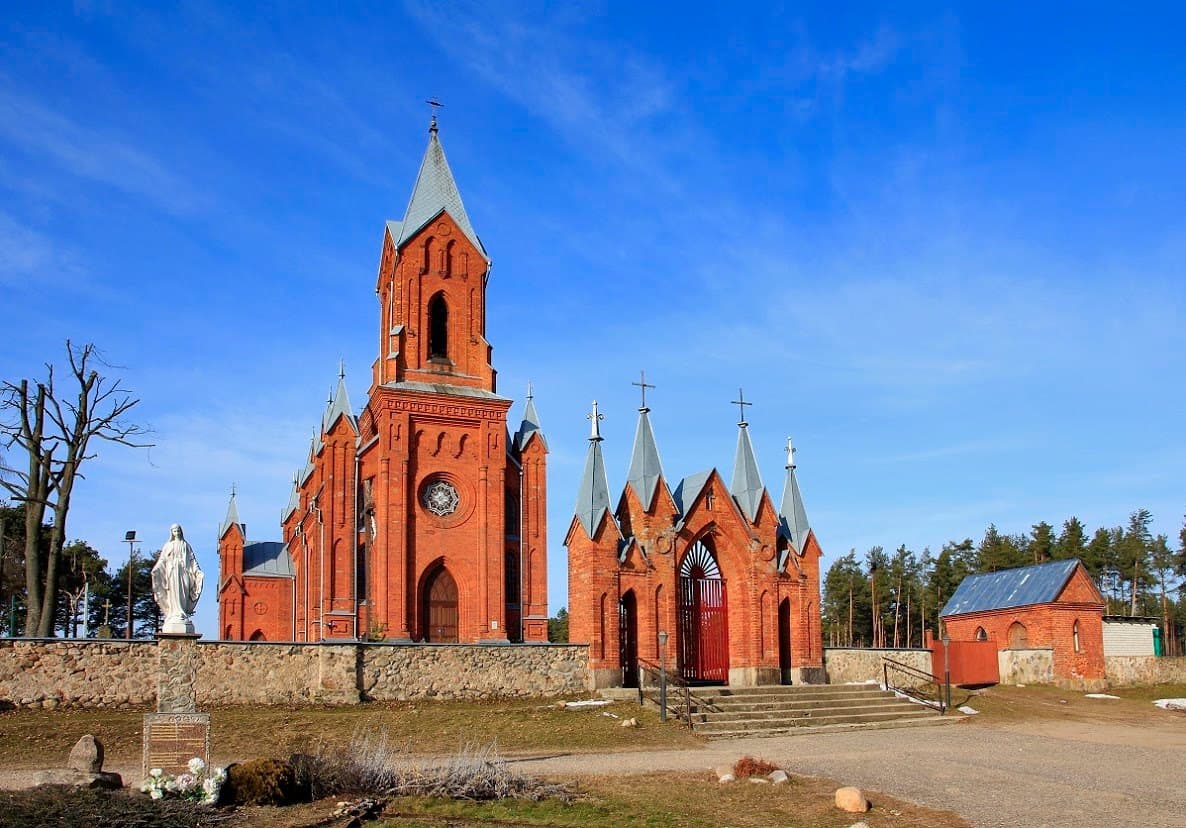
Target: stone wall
column 1122, row 670
column 123, row 675
column 1031, row 666
column 845, row 665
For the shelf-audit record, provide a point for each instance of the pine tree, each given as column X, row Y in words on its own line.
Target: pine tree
column 1133, row 558
column 997, row 551
column 845, row 605
column 1041, row 542
column 1072, row 543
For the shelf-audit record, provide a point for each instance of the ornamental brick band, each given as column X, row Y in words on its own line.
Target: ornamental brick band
column 172, row 739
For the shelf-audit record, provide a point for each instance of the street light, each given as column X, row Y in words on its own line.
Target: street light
column 946, row 668
column 662, row 675
column 130, row 540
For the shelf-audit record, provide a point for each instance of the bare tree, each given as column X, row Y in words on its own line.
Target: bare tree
column 55, row 433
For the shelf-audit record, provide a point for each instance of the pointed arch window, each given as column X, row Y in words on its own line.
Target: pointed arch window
column 1075, row 634
column 438, row 327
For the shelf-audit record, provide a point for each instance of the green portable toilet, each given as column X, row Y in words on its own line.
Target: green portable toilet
column 1157, row 641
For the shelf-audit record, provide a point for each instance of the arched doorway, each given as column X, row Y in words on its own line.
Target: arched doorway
column 440, row 608
column 628, row 638
column 784, row 640
column 1018, row 636
column 703, row 618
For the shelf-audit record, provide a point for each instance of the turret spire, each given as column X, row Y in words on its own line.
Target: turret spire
column 593, row 493
column 530, row 426
column 792, row 515
column 645, row 467
column 232, row 515
column 747, row 487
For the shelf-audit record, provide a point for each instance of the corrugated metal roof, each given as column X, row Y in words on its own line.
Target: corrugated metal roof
column 1020, row 587
column 269, row 558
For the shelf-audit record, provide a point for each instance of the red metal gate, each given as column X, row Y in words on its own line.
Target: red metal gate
column 703, row 630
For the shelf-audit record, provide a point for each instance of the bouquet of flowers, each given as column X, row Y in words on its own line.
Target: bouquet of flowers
column 200, row 783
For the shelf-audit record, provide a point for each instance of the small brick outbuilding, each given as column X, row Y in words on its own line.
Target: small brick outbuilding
column 1051, row 605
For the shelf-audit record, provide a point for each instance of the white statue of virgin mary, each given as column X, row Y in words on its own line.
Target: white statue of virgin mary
column 177, row 582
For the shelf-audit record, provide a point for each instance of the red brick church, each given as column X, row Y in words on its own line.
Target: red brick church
column 731, row 579
column 421, row 518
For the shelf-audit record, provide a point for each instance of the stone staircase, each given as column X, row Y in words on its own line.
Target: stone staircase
column 722, row 712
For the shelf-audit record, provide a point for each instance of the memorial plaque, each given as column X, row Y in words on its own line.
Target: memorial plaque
column 172, row 739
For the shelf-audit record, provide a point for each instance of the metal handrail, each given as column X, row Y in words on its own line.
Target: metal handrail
column 662, row 679
column 941, row 703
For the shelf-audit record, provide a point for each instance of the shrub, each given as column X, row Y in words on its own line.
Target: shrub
column 263, row 782
column 748, row 766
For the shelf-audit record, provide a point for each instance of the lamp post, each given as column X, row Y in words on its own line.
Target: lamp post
column 662, row 675
column 130, row 540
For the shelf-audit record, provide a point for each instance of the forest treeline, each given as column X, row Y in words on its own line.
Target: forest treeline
column 887, row 598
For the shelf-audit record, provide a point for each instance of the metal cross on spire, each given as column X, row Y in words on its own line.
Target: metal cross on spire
column 644, row 385
column 530, row 391
column 790, row 453
column 341, row 369
column 596, row 418
column 435, row 104
column 741, row 404
column 232, row 490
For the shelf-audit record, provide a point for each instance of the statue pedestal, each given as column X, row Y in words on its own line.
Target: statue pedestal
column 176, row 733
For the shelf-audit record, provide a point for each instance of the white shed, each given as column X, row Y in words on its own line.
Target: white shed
column 1128, row 636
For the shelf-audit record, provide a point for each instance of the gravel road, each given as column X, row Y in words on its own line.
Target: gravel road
column 1051, row 775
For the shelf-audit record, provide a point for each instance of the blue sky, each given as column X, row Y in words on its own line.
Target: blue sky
column 943, row 248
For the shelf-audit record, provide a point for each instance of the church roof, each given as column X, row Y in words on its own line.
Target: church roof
column 1008, row 588
column 294, row 501
column 435, row 192
column 747, row 486
column 593, row 493
column 645, row 467
column 441, row 388
column 689, row 489
column 232, row 517
column 339, row 406
column 530, row 424
column 268, row 558
column 792, row 515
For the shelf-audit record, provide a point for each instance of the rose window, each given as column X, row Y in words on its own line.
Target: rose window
column 440, row 498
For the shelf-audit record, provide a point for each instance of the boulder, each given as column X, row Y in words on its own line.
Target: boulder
column 87, row 755
column 779, row 777
column 852, row 800
column 79, row 779
column 724, row 773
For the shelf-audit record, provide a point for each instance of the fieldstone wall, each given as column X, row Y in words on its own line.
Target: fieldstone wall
column 1122, row 670
column 123, row 675
column 106, row 673
column 396, row 673
column 846, row 665
column 1033, row 666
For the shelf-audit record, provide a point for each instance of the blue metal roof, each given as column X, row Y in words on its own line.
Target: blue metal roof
column 689, row 489
column 267, row 558
column 1020, row 587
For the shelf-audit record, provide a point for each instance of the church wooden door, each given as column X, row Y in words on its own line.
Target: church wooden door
column 628, row 638
column 784, row 640
column 441, row 615
column 703, row 618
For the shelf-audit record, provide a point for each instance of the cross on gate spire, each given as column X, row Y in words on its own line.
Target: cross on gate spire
column 596, row 419
column 435, row 104
column 741, row 404
column 530, row 391
column 643, row 385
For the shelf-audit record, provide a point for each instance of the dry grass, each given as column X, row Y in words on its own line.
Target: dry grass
column 1040, row 703
column 33, row 739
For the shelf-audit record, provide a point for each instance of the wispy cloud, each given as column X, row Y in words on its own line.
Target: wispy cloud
column 94, row 153
column 30, row 257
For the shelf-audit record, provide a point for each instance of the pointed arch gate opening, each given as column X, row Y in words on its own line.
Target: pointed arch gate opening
column 440, row 608
column 703, row 616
